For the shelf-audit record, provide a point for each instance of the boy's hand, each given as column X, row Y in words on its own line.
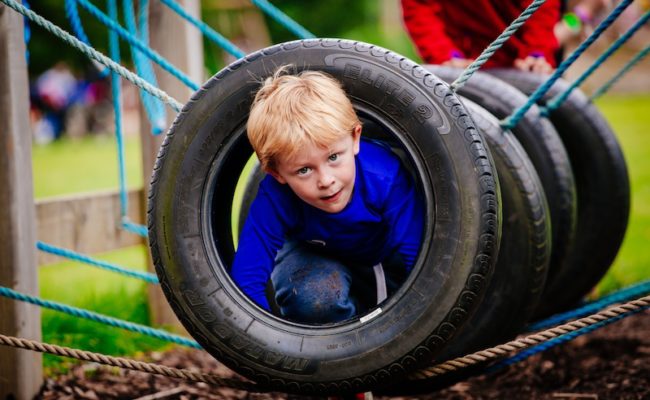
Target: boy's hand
column 538, row 65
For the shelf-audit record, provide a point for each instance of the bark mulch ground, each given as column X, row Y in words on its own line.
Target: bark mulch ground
column 610, row 363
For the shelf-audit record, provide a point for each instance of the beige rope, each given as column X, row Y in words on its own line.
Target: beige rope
column 128, row 364
column 436, row 370
column 531, row 340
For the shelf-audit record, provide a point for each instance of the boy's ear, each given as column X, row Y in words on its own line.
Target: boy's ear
column 275, row 174
column 356, row 137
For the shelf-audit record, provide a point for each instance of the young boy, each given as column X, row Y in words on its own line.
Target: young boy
column 331, row 207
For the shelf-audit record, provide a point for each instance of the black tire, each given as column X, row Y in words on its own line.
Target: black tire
column 522, row 264
column 544, row 147
column 524, row 254
column 602, row 185
column 191, row 238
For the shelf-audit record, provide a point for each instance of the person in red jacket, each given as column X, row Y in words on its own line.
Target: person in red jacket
column 455, row 32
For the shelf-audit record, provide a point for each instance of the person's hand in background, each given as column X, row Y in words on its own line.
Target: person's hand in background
column 533, row 63
column 579, row 20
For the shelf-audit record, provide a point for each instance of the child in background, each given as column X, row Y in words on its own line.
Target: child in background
column 455, row 32
column 332, row 206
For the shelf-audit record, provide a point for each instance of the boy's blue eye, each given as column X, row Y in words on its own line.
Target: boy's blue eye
column 303, row 170
column 333, row 157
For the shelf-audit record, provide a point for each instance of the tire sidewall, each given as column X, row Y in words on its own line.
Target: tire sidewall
column 602, row 185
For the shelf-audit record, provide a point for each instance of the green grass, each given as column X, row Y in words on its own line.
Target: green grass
column 90, row 164
column 101, row 291
column 629, row 116
column 84, row 165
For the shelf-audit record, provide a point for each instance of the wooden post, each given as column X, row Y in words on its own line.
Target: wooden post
column 21, row 373
column 181, row 44
column 241, row 22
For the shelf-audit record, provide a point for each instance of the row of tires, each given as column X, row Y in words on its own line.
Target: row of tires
column 520, row 223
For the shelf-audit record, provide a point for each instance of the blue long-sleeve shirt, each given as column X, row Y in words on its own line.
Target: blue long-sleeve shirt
column 384, row 216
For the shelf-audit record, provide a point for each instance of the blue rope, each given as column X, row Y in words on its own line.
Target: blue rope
column 557, row 341
column 115, row 67
column 158, row 117
column 48, row 248
column 206, row 30
column 512, row 120
column 626, row 294
column 635, row 60
column 114, row 50
column 135, row 228
column 143, row 30
column 111, row 23
column 143, row 21
column 27, row 32
column 154, row 109
column 93, row 54
column 93, row 316
column 72, row 12
column 496, row 45
column 556, row 101
column 283, row 19
column 73, row 15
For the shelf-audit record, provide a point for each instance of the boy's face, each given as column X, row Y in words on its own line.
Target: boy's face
column 322, row 177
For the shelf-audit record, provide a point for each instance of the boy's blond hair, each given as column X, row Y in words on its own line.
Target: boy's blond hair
column 290, row 111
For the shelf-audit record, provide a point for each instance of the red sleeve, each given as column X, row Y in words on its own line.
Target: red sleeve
column 537, row 33
column 423, row 22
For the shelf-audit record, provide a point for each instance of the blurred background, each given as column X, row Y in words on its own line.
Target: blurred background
column 69, row 95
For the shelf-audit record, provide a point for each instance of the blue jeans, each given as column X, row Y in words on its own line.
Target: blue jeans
column 312, row 287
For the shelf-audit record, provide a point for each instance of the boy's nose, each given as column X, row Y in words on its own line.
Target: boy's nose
column 325, row 181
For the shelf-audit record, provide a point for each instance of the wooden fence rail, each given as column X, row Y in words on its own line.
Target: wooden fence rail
column 87, row 223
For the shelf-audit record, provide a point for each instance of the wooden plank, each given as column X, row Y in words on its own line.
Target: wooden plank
column 21, row 372
column 182, row 44
column 86, row 223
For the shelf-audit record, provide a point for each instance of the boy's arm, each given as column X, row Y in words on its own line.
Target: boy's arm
column 427, row 31
column 260, row 240
column 537, row 33
column 405, row 213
